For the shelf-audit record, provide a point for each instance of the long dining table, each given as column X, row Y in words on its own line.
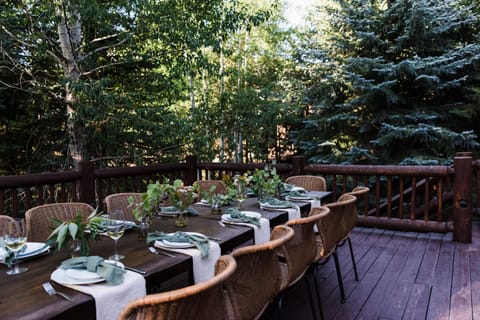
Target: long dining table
column 23, row 297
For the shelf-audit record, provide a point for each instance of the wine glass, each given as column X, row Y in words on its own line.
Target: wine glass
column 15, row 239
column 115, row 226
column 241, row 194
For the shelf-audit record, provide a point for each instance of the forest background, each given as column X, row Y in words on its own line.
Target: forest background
column 135, row 82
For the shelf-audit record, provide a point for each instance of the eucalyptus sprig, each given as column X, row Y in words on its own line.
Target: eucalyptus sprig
column 79, row 228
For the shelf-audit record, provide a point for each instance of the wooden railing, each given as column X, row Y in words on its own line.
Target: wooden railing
column 421, row 198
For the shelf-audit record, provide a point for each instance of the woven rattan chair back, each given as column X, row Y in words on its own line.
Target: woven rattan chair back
column 39, row 220
column 352, row 216
column 300, row 252
column 310, row 183
column 204, row 186
column 202, row 301
column 119, row 201
column 258, row 277
column 332, row 228
column 4, row 222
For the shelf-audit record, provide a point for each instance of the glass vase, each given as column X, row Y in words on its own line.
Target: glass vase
column 181, row 219
column 143, row 228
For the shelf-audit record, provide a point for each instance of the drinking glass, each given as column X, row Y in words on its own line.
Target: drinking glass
column 15, row 239
column 115, row 227
column 241, row 194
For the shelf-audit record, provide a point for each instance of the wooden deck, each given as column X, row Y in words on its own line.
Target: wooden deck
column 403, row 275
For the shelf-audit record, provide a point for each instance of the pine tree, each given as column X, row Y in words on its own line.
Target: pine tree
column 405, row 85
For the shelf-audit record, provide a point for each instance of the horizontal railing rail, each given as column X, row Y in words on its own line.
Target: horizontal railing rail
column 401, row 197
column 421, row 198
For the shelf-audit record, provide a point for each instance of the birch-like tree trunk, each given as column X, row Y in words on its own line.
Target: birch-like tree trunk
column 70, row 37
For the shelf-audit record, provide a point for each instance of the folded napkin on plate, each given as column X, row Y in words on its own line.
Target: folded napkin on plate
column 277, row 202
column 112, row 273
column 200, row 241
column 172, row 209
column 237, row 214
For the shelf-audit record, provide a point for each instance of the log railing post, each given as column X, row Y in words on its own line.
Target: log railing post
column 191, row 173
column 462, row 202
column 87, row 183
column 298, row 165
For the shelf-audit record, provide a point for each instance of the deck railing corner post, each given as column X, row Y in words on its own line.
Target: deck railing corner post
column 298, row 165
column 87, row 182
column 191, row 172
column 462, row 202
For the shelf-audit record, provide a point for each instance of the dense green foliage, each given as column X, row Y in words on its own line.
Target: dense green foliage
column 152, row 81
column 399, row 82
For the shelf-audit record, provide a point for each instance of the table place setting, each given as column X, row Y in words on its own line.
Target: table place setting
column 30, row 250
column 204, row 252
column 281, row 205
column 261, row 226
column 299, row 194
column 107, row 281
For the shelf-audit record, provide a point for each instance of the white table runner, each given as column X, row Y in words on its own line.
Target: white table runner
column 109, row 299
column 203, row 267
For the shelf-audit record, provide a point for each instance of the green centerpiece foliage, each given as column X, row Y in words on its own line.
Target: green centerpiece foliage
column 266, row 182
column 76, row 232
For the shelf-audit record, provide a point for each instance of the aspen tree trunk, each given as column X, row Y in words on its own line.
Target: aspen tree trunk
column 70, row 36
column 222, row 92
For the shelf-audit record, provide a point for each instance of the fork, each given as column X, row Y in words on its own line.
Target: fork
column 51, row 291
column 155, row 251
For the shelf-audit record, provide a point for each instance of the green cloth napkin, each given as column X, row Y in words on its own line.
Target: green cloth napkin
column 299, row 194
column 199, row 241
column 172, row 209
column 9, row 257
column 112, row 273
column 277, row 202
column 237, row 214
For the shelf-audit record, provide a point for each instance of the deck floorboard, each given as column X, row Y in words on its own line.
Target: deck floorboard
column 403, row 275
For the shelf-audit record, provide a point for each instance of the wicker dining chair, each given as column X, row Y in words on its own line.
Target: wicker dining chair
column 205, row 185
column 258, row 277
column 299, row 254
column 120, row 201
column 351, row 221
column 308, row 182
column 202, row 301
column 4, row 222
column 39, row 220
column 331, row 233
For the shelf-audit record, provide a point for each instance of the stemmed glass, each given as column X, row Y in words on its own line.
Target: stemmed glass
column 115, row 227
column 241, row 194
column 15, row 239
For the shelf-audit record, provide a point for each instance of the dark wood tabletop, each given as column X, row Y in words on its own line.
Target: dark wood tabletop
column 22, row 296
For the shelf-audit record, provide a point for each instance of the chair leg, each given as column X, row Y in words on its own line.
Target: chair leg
column 353, row 258
column 310, row 297
column 317, row 292
column 339, row 277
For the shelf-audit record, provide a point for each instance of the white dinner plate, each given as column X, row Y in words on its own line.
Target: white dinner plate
column 167, row 211
column 82, row 275
column 178, row 245
column 298, row 189
column 298, row 198
column 275, row 206
column 33, row 249
column 60, row 276
column 251, row 214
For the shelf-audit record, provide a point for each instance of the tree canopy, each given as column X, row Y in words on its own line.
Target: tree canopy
column 130, row 82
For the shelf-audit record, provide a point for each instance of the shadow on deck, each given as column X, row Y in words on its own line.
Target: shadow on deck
column 403, row 275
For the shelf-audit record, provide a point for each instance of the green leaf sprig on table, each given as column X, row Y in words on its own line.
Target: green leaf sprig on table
column 173, row 194
column 79, row 228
